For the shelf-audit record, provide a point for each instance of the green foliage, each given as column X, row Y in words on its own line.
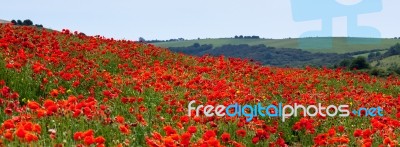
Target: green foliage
column 39, row 25
column 371, row 55
column 393, row 50
column 247, row 37
column 27, row 22
column 378, row 72
column 195, row 49
column 394, row 68
column 29, row 87
column 345, row 63
column 196, row 45
column 19, row 22
column 377, row 54
column 141, row 39
column 359, row 63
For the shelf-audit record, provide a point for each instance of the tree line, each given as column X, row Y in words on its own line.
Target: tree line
column 141, row 39
column 26, row 22
column 246, row 37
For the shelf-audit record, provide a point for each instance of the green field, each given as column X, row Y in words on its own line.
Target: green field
column 386, row 62
column 339, row 44
column 366, row 54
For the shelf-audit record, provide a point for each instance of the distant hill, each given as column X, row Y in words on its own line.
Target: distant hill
column 4, row 21
column 266, row 55
column 340, row 44
column 287, row 52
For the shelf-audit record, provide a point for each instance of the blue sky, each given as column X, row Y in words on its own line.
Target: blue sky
column 190, row 19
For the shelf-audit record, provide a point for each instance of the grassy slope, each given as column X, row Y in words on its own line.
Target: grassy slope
column 154, row 68
column 340, row 44
column 387, row 62
column 366, row 54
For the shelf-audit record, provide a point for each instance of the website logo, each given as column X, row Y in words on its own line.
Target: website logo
column 280, row 110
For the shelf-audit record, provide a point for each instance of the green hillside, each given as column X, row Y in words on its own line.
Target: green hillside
column 366, row 54
column 340, row 44
column 387, row 62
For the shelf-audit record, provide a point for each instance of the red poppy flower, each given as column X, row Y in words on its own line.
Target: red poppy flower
column 29, row 137
column 124, row 129
column 241, row 133
column 169, row 130
column 169, row 142
column 255, row 140
column 184, row 119
column 226, row 137
column 100, row 140
column 209, row 134
column 120, row 119
column 8, row 124
column 33, row 105
column 8, row 111
column 192, row 129
column 78, row 136
column 185, row 139
column 47, row 103
column 54, row 93
column 21, row 133
column 9, row 135
column 88, row 140
column 357, row 133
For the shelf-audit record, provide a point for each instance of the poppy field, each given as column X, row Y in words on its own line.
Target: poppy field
column 68, row 89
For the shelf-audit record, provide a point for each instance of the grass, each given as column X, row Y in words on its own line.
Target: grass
column 340, row 44
column 386, row 62
column 366, row 54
